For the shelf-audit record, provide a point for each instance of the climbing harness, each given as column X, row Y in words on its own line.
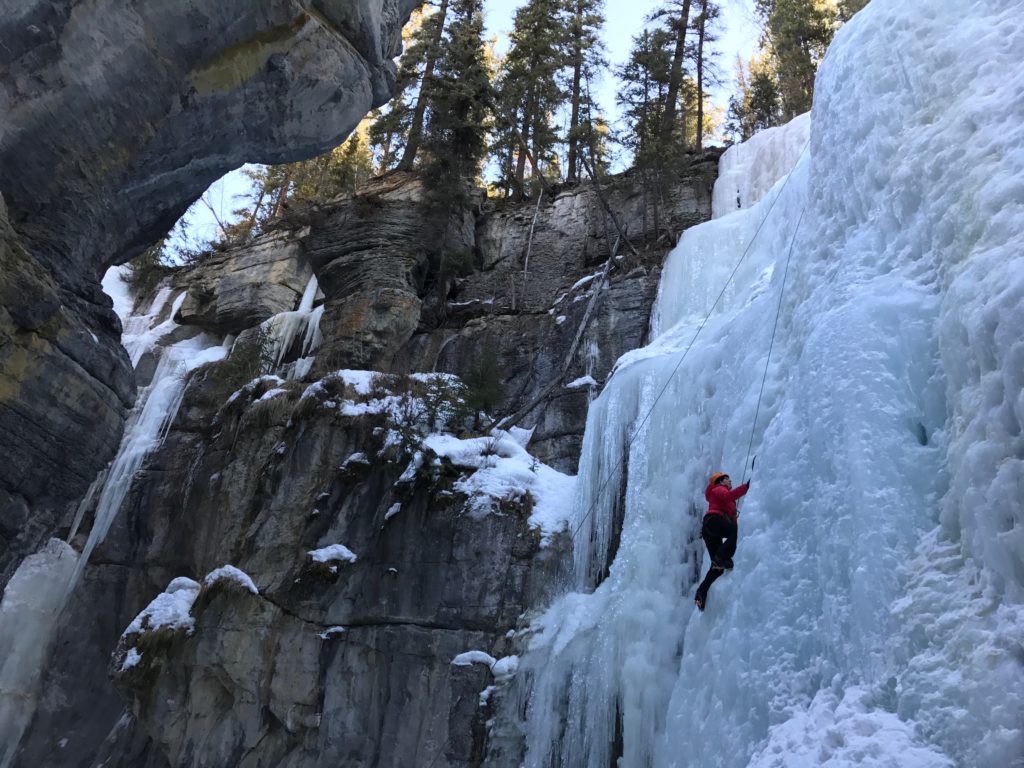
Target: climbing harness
column 636, row 432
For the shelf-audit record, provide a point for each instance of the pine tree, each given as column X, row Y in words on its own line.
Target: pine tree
column 585, row 60
column 529, row 93
column 849, row 7
column 454, row 141
column 758, row 105
column 797, row 32
column 676, row 17
column 430, row 40
column 642, row 98
column 338, row 171
column 709, row 14
column 398, row 132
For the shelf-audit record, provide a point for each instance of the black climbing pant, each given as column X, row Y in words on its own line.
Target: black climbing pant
column 719, row 534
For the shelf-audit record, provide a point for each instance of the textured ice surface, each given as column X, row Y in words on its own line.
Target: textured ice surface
column 874, row 614
column 31, row 606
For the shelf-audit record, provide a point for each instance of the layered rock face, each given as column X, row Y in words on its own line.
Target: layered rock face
column 114, row 116
column 532, row 270
column 260, row 480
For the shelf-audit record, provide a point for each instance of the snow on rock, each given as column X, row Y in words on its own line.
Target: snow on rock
column 249, row 389
column 583, row 381
column 271, row 393
column 504, row 471
column 335, row 553
column 131, row 658
column 362, row 382
column 393, row 510
column 503, row 669
column 356, row 458
column 468, row 658
column 231, row 574
column 330, row 632
column 170, row 609
column 583, row 281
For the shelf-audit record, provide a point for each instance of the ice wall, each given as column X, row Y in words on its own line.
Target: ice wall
column 874, row 615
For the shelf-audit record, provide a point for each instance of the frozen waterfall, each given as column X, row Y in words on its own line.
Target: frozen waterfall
column 874, row 616
column 39, row 590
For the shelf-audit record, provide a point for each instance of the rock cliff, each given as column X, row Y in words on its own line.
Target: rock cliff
column 352, row 666
column 114, row 116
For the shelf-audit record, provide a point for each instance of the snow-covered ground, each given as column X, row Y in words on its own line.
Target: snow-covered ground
column 874, row 616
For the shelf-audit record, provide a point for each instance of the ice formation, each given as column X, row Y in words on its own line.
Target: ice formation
column 31, row 605
column 874, row 615
column 284, row 328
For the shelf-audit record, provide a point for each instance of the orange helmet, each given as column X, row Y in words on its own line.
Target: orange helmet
column 715, row 478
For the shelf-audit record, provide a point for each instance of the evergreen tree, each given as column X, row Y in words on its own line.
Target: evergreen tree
column 644, row 78
column 642, row 98
column 584, row 19
column 758, row 105
column 705, row 28
column 849, row 7
column 430, row 41
column 454, row 141
column 676, row 18
column 797, row 32
column 338, row 171
column 529, row 93
column 398, row 132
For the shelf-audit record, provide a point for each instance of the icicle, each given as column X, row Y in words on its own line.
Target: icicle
column 308, row 296
column 284, row 328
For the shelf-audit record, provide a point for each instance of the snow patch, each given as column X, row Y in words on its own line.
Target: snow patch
column 583, row 381
column 335, row 553
column 232, row 574
column 170, row 609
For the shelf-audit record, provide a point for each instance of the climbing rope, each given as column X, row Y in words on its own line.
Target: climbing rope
column 636, row 432
column 778, row 311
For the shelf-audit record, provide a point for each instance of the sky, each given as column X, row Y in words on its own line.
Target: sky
column 738, row 34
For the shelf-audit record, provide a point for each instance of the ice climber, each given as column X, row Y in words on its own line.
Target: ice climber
column 719, row 529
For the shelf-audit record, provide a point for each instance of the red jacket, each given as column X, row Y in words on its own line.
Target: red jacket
column 722, row 501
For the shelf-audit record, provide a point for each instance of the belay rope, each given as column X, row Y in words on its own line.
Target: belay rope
column 778, row 311
column 638, row 429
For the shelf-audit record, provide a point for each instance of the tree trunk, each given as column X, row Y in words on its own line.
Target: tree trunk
column 282, row 195
column 700, row 77
column 412, row 146
column 676, row 77
column 524, row 139
column 574, row 118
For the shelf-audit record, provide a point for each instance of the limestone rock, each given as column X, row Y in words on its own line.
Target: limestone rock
column 48, row 351
column 241, row 287
column 271, row 679
column 115, row 116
